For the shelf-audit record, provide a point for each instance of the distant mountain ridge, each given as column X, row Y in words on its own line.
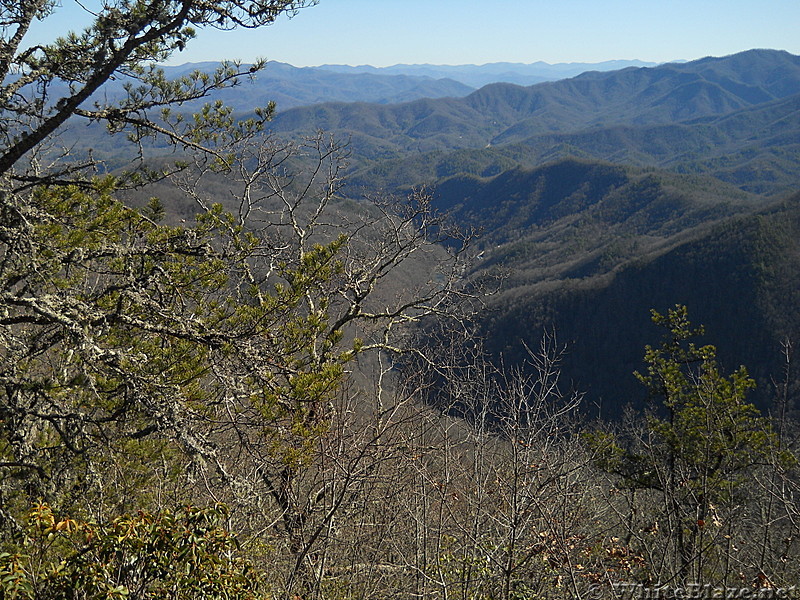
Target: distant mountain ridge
column 479, row 75
column 503, row 113
column 290, row 86
column 734, row 117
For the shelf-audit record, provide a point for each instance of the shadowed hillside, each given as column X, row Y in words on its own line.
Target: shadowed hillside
column 741, row 277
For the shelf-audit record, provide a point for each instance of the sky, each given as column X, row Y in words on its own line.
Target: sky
column 388, row 32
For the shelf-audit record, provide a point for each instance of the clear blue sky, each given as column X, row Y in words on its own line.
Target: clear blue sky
column 387, row 32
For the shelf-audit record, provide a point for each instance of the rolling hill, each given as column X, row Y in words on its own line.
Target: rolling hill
column 755, row 148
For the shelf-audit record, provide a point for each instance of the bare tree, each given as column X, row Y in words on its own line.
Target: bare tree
column 144, row 363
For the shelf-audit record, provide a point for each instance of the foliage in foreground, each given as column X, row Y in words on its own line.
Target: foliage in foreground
column 182, row 554
column 694, row 458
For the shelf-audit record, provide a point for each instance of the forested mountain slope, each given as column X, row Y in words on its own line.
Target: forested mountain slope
column 521, row 202
column 637, row 116
column 739, row 274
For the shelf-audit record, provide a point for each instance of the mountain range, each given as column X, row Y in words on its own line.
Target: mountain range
column 290, row 86
column 502, row 113
column 598, row 197
column 605, row 195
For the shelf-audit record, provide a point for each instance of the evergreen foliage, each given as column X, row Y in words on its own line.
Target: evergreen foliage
column 700, row 447
column 184, row 554
column 146, row 365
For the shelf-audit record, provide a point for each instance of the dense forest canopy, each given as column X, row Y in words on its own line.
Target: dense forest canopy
column 247, row 360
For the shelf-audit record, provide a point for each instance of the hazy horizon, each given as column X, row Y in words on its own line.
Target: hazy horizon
column 502, row 62
column 464, row 32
